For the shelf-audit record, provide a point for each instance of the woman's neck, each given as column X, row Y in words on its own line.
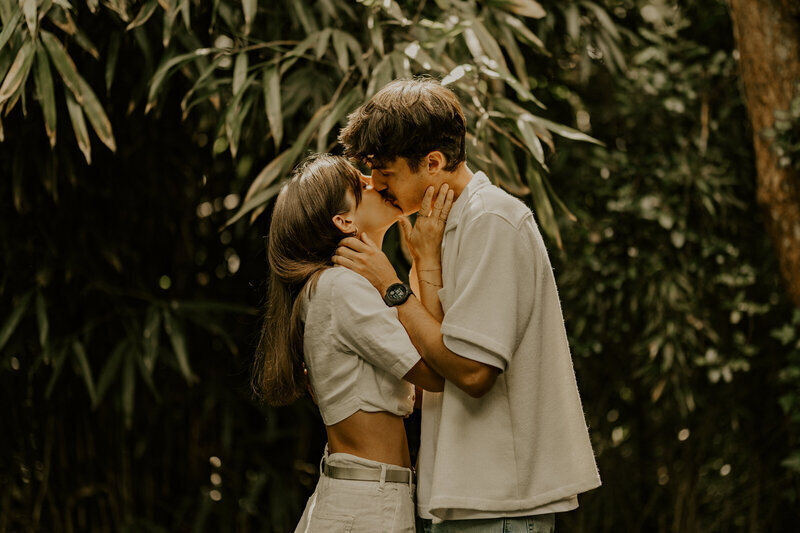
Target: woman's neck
column 377, row 236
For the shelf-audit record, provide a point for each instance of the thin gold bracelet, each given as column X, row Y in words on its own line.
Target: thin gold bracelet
column 431, row 283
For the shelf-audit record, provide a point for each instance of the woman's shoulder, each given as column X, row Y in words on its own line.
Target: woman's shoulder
column 338, row 281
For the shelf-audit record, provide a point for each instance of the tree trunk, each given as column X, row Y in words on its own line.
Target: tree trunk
column 767, row 36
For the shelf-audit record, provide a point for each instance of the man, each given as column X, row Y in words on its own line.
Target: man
column 505, row 445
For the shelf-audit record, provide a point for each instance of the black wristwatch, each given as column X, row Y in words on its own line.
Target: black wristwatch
column 397, row 294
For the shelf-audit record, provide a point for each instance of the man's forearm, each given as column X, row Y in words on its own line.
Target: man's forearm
column 472, row 377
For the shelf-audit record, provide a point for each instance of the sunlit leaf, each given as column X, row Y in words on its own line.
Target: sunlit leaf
column 272, row 98
column 79, row 126
column 145, row 12
column 249, row 7
column 239, row 72
column 8, row 29
column 170, row 14
column 322, row 43
column 13, row 319
column 178, row 341
column 63, row 63
column 97, row 116
column 18, row 72
column 532, row 142
column 44, row 88
column 381, row 75
column 29, row 9
column 257, row 200
column 526, row 8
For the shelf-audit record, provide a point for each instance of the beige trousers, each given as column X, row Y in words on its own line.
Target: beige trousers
column 348, row 506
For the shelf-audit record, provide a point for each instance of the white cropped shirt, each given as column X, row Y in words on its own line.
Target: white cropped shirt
column 355, row 348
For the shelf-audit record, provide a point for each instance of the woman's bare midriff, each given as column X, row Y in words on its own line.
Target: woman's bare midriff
column 377, row 436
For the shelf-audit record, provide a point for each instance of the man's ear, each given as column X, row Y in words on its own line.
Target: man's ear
column 344, row 223
column 436, row 161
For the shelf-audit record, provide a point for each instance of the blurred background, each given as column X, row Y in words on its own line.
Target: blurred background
column 657, row 141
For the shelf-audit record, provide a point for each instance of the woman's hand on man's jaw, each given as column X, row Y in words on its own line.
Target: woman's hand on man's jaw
column 363, row 256
column 424, row 239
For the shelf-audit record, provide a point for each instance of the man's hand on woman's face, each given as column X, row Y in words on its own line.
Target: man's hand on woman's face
column 363, row 256
column 425, row 237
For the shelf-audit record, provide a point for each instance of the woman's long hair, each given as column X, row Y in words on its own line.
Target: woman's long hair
column 302, row 240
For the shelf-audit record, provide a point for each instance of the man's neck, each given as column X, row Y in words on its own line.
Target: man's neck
column 459, row 179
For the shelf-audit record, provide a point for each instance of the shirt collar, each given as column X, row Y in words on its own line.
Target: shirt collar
column 479, row 181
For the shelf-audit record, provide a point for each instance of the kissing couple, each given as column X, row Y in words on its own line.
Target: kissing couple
column 477, row 332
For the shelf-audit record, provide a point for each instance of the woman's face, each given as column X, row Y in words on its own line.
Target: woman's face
column 373, row 213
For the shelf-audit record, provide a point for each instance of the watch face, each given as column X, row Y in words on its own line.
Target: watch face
column 397, row 293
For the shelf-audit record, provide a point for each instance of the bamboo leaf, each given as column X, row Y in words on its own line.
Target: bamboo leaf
column 63, row 63
column 162, row 71
column 178, row 341
column 18, row 72
column 380, row 76
column 110, row 371
column 41, row 318
column 345, row 104
column 564, row 131
column 8, row 29
column 340, row 47
column 151, row 335
column 13, row 319
column 200, row 83
column 128, row 388
column 86, row 370
column 532, row 142
column 489, row 44
column 249, row 7
column 170, row 14
column 541, row 201
column 47, row 97
column 112, row 55
column 186, row 13
column 144, row 14
column 257, row 200
column 97, row 116
column 239, row 72
column 322, row 43
column 526, row 8
column 79, row 126
column 31, row 19
column 84, row 42
column 522, row 30
column 272, row 97
column 58, row 364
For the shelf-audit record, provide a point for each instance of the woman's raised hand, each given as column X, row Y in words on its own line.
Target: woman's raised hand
column 425, row 237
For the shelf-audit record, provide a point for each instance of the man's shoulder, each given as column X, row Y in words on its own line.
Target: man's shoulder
column 491, row 201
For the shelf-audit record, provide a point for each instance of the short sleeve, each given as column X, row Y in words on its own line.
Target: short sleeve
column 368, row 327
column 491, row 297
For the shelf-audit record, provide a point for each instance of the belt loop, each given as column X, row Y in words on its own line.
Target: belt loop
column 383, row 476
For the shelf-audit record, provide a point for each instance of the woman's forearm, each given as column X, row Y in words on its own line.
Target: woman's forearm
column 428, row 281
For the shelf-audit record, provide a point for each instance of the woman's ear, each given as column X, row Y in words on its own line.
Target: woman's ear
column 344, row 223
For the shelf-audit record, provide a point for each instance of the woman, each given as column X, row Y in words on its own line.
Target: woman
column 361, row 365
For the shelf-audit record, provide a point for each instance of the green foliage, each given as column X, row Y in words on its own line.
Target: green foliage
column 785, row 134
column 129, row 284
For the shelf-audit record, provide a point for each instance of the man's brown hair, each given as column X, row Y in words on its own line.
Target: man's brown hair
column 408, row 118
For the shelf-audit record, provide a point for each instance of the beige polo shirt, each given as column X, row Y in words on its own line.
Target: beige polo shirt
column 523, row 448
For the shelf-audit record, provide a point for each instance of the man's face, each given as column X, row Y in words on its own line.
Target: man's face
column 398, row 184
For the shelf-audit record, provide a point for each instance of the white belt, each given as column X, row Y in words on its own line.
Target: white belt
column 366, row 474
